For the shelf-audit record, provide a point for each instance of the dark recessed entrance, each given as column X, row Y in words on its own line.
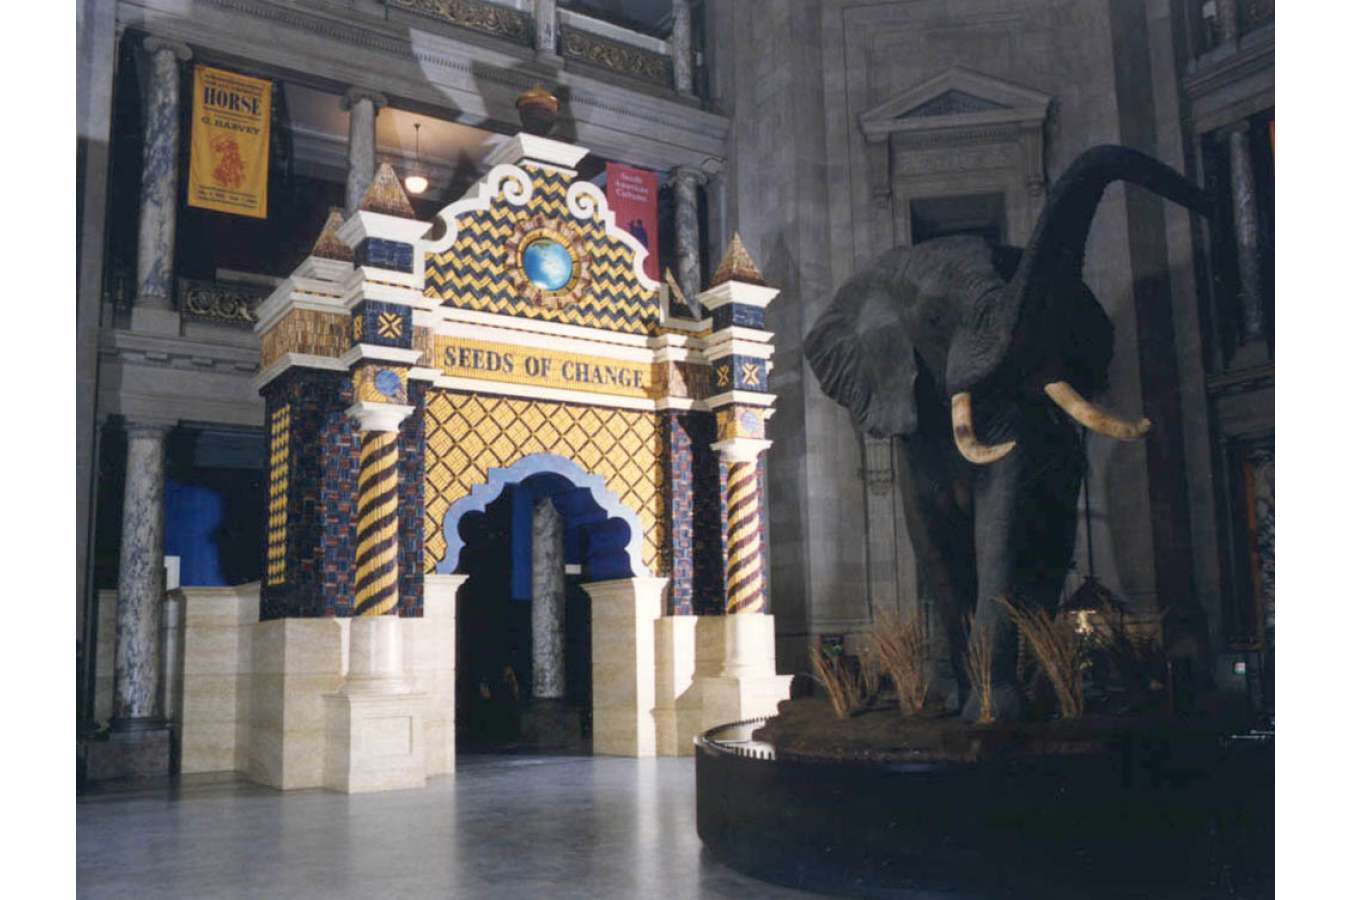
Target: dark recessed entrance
column 527, row 554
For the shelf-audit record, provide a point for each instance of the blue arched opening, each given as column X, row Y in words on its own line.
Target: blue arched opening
column 489, row 537
column 604, row 536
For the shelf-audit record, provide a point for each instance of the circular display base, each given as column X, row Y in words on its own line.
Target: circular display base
column 1147, row 817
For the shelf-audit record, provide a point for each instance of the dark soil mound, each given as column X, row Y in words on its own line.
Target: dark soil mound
column 807, row 728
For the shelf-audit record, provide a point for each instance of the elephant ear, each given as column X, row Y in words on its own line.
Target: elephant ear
column 863, row 357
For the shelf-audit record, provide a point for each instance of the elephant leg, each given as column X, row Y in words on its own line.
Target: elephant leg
column 1000, row 513
column 940, row 532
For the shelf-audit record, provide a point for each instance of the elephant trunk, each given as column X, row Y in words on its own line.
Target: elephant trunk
column 1011, row 327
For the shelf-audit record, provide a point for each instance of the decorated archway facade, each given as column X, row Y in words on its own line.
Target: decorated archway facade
column 412, row 369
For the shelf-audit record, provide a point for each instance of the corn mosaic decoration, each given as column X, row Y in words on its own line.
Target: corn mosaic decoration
column 402, row 377
column 278, row 472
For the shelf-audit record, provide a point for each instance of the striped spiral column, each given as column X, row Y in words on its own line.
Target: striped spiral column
column 744, row 579
column 377, row 525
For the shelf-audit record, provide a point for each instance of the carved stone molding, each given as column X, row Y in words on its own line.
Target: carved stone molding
column 959, row 132
column 226, row 304
column 475, row 15
column 623, row 59
column 266, row 30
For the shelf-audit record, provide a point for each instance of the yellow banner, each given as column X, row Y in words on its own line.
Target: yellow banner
column 544, row 368
column 230, row 118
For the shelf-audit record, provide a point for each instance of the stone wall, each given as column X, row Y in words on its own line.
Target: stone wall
column 814, row 201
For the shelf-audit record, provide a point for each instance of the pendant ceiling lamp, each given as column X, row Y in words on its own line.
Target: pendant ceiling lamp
column 416, row 182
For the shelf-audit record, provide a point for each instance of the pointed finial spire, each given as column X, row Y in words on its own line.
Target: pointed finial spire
column 329, row 245
column 736, row 265
column 385, row 195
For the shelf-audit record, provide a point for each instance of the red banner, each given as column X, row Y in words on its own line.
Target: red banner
column 632, row 195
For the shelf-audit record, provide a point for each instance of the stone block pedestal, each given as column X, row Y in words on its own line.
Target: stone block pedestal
column 376, row 742
column 376, row 735
column 748, row 684
column 711, row 670
column 551, row 724
column 136, row 753
column 623, row 664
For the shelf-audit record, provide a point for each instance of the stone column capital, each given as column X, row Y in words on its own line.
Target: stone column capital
column 379, row 416
column 149, row 428
column 179, row 49
column 741, row 449
column 692, row 173
column 355, row 94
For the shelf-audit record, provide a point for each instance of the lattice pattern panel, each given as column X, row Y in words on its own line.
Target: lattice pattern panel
column 476, row 272
column 468, row 434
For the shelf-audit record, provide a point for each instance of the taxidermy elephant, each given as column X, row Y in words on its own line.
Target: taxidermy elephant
column 980, row 358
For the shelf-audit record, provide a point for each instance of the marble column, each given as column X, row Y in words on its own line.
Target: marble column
column 159, row 183
column 1247, row 231
column 1226, row 12
column 548, row 597
column 546, row 30
column 362, row 105
column 140, row 581
column 687, row 180
column 682, row 48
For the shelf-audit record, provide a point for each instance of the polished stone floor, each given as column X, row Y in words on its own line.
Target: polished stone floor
column 501, row 827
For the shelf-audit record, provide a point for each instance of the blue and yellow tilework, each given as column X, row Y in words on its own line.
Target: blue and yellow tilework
column 467, row 434
column 480, row 270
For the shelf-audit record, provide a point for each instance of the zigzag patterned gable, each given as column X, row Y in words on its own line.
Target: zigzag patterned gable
column 476, row 271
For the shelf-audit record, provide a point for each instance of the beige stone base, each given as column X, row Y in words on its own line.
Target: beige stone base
column 375, row 742
column 296, row 663
column 712, row 670
column 623, row 664
column 274, row 699
column 255, row 695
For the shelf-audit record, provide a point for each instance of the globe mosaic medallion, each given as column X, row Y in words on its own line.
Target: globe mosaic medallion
column 547, row 264
column 388, row 383
column 551, row 262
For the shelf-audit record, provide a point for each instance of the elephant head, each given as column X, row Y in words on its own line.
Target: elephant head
column 986, row 322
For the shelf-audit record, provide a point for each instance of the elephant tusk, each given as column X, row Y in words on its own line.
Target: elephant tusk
column 964, row 432
column 1091, row 416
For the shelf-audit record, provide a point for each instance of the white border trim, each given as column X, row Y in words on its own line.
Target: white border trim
column 535, row 392
column 450, row 314
column 361, row 352
column 733, row 346
column 585, row 200
column 511, row 181
column 379, row 416
column 293, row 361
column 363, row 224
column 737, row 292
column 556, row 343
column 747, row 398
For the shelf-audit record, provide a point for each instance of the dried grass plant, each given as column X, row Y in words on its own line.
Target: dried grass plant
column 840, row 684
column 1137, row 659
column 901, row 646
column 869, row 671
column 980, row 668
column 1060, row 650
